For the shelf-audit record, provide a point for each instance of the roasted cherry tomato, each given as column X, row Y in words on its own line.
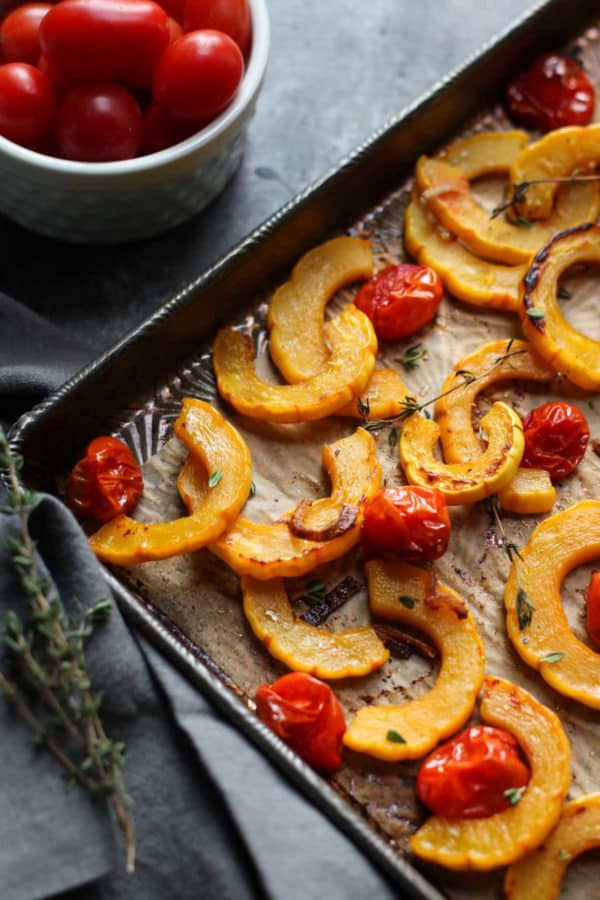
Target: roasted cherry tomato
column 553, row 93
column 106, row 482
column 410, row 521
column 473, row 775
column 305, row 713
column 198, row 75
column 98, row 123
column 400, row 300
column 593, row 608
column 20, row 33
column 105, row 40
column 27, row 104
column 230, row 16
column 556, row 437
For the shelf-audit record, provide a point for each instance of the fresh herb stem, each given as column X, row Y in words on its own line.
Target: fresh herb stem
column 520, row 190
column 525, row 608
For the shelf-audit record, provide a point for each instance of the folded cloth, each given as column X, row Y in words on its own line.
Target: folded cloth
column 213, row 818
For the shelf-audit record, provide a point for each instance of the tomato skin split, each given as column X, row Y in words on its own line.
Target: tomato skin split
column 556, row 438
column 106, row 482
column 400, row 300
column 410, row 522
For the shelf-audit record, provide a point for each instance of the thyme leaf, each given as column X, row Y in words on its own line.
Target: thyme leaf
column 395, row 737
column 535, row 313
column 554, row 657
column 407, row 601
column 411, row 358
column 215, row 478
column 525, row 609
column 514, row 795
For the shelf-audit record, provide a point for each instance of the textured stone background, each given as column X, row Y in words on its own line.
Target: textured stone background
column 338, row 70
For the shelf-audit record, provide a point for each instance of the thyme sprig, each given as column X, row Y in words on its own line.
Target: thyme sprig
column 520, row 189
column 46, row 680
column 525, row 607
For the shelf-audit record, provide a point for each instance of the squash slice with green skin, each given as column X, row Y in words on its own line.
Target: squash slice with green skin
column 540, row 873
column 538, row 626
column 557, row 342
column 470, row 481
column 215, row 446
column 274, row 550
column 343, row 377
column 505, row 837
column 436, row 610
column 532, row 490
column 556, row 155
column 302, row 647
column 296, row 312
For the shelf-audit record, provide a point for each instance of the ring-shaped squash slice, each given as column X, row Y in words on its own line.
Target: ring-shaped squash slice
column 215, row 446
column 443, row 615
column 485, row 153
column 539, row 635
column 296, row 340
column 470, row 481
column 539, row 874
column 343, row 377
column 556, row 155
column 505, row 837
column 449, row 195
column 273, row 550
column 562, row 346
column 302, row 647
column 532, row 490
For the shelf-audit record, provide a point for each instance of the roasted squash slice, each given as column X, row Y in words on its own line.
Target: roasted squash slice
column 215, row 445
column 539, row 874
column 297, row 342
column 565, row 349
column 556, row 155
column 449, row 195
column 470, row 481
column 531, row 491
column 273, row 550
column 540, row 632
column 382, row 397
column 508, row 835
column 302, row 647
column 343, row 377
column 485, row 153
column 441, row 614
column 464, row 275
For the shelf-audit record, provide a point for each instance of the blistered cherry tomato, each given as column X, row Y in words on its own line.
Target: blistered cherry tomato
column 469, row 776
column 105, row 39
column 98, row 123
column 556, row 437
column 305, row 713
column 20, row 33
column 229, row 16
column 400, row 300
column 553, row 93
column 593, row 608
column 162, row 130
column 27, row 104
column 198, row 75
column 106, row 482
column 175, row 30
column 410, row 521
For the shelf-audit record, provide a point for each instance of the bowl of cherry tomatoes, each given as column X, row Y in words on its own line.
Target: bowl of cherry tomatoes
column 120, row 120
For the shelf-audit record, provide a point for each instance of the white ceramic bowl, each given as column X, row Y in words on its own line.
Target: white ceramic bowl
column 121, row 201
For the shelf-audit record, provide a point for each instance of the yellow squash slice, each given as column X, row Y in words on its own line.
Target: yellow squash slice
column 302, row 647
column 274, row 550
column 485, row 153
column 531, row 491
column 505, row 837
column 540, row 873
column 557, row 155
column 441, row 614
column 565, row 349
column 537, row 625
column 342, row 378
column 215, row 446
column 449, row 195
column 383, row 397
column 297, row 342
column 470, row 481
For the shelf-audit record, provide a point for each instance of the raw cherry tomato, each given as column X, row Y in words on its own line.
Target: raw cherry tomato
column 400, row 300
column 27, row 104
column 409, row 521
column 198, row 75
column 556, row 437
column 173, row 8
column 97, row 40
column 229, row 16
column 468, row 777
column 162, row 130
column 106, row 482
column 20, row 33
column 98, row 123
column 175, row 30
column 305, row 713
column 553, row 93
column 593, row 608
